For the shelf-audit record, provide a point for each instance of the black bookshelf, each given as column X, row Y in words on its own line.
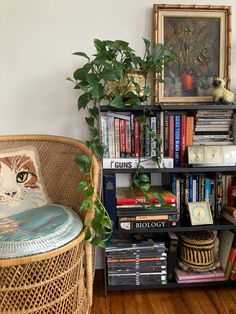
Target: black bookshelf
column 223, row 169
column 209, row 106
column 173, row 285
column 221, row 224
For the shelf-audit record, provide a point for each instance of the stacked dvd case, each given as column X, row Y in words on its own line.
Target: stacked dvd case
column 136, row 260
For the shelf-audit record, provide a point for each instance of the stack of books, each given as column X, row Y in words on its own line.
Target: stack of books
column 135, row 260
column 134, row 213
column 192, row 277
column 213, row 127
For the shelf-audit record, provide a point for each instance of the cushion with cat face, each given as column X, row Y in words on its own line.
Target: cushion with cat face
column 21, row 183
column 38, row 230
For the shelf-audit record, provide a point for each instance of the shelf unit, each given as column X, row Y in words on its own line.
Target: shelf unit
column 221, row 224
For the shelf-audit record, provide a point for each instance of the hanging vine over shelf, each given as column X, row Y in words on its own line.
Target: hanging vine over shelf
column 116, row 76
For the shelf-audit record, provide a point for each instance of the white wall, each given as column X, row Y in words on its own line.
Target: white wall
column 37, row 38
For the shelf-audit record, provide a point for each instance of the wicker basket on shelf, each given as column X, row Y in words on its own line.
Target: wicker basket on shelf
column 196, row 250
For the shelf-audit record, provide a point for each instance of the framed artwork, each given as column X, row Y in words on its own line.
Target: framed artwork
column 200, row 213
column 199, row 36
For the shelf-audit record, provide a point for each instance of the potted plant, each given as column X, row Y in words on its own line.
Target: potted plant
column 117, row 76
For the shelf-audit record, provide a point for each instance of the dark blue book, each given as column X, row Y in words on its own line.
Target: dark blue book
column 177, row 140
column 109, row 196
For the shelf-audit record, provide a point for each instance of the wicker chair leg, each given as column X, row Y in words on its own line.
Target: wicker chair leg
column 89, row 271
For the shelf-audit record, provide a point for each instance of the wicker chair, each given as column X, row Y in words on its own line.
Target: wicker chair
column 59, row 281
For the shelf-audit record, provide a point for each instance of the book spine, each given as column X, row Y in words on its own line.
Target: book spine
column 136, row 138
column 231, row 259
column 153, row 140
column 132, row 134
column 219, row 197
column 104, row 135
column 166, row 133
column 172, row 258
column 183, row 140
column 190, row 188
column 147, row 148
column 207, row 190
column 109, row 196
column 122, row 138
column 189, row 131
column 141, row 139
column 171, row 136
column 177, row 141
column 117, row 137
column 127, row 139
column 145, row 225
column 212, row 197
column 111, row 137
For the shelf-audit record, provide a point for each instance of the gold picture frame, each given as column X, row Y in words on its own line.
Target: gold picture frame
column 200, row 213
column 200, row 38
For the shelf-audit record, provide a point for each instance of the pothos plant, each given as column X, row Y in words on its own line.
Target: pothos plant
column 115, row 61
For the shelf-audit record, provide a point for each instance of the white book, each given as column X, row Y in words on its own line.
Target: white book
column 111, row 137
column 104, row 134
column 153, row 141
column 129, row 163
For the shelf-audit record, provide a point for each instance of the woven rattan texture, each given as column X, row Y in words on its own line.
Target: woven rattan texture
column 196, row 250
column 59, row 281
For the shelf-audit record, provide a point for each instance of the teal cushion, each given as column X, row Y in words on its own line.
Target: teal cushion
column 38, row 230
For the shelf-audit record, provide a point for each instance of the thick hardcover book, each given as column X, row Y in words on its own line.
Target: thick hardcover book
column 166, row 133
column 111, row 137
column 146, row 225
column 190, row 275
column 136, row 138
column 157, row 217
column 117, row 137
column 126, row 196
column 189, row 131
column 177, row 140
column 109, row 196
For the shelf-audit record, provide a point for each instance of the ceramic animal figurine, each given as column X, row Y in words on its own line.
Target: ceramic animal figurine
column 219, row 93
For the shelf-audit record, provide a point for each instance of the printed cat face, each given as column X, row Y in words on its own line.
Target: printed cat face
column 17, row 174
column 20, row 186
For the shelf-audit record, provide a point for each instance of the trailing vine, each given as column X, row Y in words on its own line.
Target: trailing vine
column 111, row 63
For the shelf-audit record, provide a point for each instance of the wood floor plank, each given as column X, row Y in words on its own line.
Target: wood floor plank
column 164, row 301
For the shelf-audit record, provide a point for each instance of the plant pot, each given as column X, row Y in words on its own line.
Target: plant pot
column 125, row 85
column 189, row 82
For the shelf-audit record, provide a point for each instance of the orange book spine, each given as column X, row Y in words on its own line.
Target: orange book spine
column 189, row 131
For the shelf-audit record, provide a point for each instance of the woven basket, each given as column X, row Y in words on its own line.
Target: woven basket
column 196, row 250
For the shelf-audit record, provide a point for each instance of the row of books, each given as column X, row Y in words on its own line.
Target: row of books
column 125, row 135
column 136, row 260
column 199, row 187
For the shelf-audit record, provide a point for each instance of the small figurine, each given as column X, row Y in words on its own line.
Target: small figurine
column 219, row 93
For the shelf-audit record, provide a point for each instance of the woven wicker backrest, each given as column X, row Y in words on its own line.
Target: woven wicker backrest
column 60, row 172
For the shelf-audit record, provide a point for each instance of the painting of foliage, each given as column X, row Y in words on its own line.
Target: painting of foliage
column 195, row 43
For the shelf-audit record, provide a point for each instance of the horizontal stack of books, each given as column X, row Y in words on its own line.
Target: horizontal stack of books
column 134, row 213
column 136, row 260
column 213, row 127
column 192, row 277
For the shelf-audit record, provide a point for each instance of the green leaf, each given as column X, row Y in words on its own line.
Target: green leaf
column 158, row 197
column 158, row 51
column 83, row 100
column 87, row 234
column 106, row 222
column 135, row 183
column 85, row 205
column 148, row 91
column 144, row 178
column 97, row 242
column 82, row 86
column 69, row 79
column 99, row 150
column 109, row 76
column 84, row 159
column 82, row 54
column 89, row 121
column 82, row 186
column 117, row 102
column 93, row 81
column 89, row 191
column 94, row 112
column 80, row 74
column 94, row 131
column 145, row 186
column 107, row 64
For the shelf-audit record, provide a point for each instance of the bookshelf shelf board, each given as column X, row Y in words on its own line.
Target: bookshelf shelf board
column 222, row 224
column 208, row 106
column 173, row 285
column 175, row 170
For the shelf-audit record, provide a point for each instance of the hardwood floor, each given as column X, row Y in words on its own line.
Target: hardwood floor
column 181, row 301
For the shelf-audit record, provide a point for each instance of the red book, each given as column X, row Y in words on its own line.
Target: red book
column 126, row 196
column 122, row 138
column 183, row 140
column 136, row 138
column 171, row 136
